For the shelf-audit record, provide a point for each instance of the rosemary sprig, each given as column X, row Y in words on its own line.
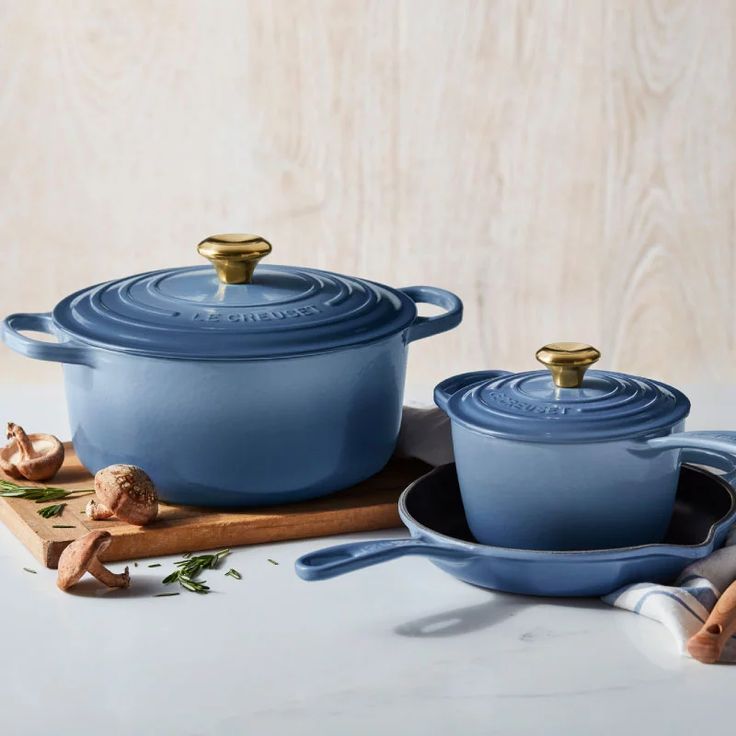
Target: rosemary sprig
column 233, row 573
column 191, row 567
column 8, row 489
column 50, row 511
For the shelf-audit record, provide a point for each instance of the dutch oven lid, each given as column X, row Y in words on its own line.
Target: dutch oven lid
column 566, row 404
column 233, row 311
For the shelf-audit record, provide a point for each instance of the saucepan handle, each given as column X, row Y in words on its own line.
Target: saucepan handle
column 443, row 391
column 715, row 449
column 426, row 326
column 59, row 352
column 332, row 561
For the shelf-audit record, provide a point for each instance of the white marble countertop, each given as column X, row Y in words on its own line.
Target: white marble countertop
column 399, row 648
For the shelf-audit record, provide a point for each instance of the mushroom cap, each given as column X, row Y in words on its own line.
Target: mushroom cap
column 128, row 492
column 76, row 558
column 50, row 458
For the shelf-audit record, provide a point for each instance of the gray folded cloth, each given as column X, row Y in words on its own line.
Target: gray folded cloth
column 425, row 434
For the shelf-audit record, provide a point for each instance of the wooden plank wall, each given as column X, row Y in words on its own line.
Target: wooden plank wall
column 567, row 167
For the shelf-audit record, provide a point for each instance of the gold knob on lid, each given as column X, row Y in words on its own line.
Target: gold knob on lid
column 567, row 362
column 234, row 255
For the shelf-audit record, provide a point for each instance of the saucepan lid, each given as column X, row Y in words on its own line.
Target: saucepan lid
column 234, row 310
column 566, row 403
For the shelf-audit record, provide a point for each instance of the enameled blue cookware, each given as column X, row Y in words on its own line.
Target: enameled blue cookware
column 432, row 510
column 232, row 387
column 567, row 459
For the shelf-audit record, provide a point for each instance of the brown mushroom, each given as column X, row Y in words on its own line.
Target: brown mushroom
column 81, row 556
column 124, row 491
column 31, row 456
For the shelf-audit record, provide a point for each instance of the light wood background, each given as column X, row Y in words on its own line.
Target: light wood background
column 567, row 167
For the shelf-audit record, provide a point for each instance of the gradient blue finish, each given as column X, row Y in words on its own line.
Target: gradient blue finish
column 571, row 495
column 237, row 432
column 529, row 572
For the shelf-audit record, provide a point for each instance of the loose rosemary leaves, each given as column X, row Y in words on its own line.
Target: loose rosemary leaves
column 233, row 573
column 49, row 512
column 191, row 567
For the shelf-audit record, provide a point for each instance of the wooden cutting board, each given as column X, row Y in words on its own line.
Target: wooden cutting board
column 368, row 506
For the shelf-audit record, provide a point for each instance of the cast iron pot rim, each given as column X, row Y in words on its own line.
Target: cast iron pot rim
column 112, row 350
column 549, row 438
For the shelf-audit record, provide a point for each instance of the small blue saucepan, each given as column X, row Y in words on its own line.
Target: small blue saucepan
column 432, row 510
column 236, row 385
column 571, row 460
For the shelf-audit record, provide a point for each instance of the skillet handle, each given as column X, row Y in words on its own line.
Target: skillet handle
column 715, row 449
column 58, row 352
column 332, row 561
column 426, row 326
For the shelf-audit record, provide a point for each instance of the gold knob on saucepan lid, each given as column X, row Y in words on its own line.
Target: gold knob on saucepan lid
column 234, row 255
column 567, row 362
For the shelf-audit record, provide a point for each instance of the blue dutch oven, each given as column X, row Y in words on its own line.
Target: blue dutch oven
column 563, row 459
column 235, row 386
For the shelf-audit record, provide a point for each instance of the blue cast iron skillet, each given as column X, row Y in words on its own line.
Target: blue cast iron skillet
column 432, row 510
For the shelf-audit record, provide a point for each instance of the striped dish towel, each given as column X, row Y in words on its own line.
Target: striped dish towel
column 683, row 607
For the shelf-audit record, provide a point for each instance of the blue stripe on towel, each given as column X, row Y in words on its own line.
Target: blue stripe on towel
column 705, row 596
column 704, row 591
column 638, row 607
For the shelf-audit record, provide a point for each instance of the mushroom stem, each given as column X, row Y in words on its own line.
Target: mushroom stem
column 16, row 432
column 97, row 511
column 112, row 580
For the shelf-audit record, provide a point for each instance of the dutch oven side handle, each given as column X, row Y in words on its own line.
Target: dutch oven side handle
column 426, row 326
column 58, row 352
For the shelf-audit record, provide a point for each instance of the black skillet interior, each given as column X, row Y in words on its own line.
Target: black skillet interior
column 702, row 500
